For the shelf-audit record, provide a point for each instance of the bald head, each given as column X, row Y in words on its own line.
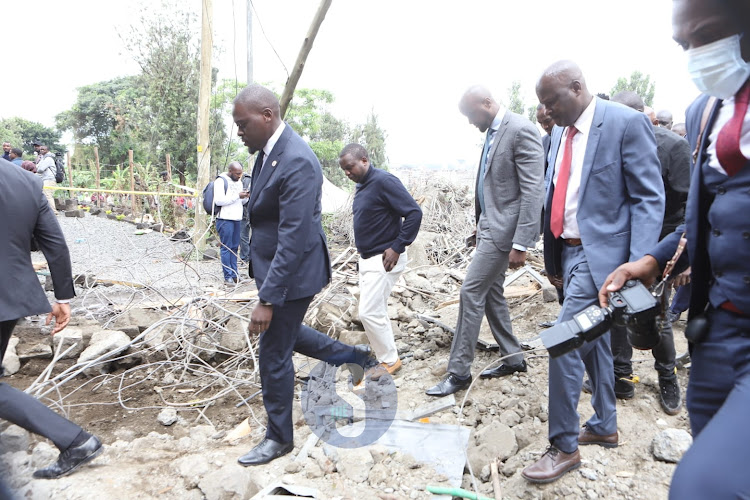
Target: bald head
column 629, row 99
column 563, row 91
column 664, row 117
column 479, row 107
column 257, row 115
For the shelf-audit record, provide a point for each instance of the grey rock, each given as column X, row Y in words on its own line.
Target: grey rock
column 142, row 317
column 11, row 361
column 167, row 416
column 229, row 482
column 191, row 468
column 355, row 464
column 75, row 213
column 13, row 439
column 379, row 474
column 71, row 336
column 43, row 455
column 379, row 453
column 670, row 444
column 42, row 351
column 495, row 440
column 589, row 474
column 353, row 337
column 103, row 342
column 510, row 418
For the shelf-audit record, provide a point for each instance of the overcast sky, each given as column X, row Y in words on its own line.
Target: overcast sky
column 408, row 60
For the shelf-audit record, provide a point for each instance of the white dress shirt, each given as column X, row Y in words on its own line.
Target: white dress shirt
column 725, row 114
column 580, row 140
column 272, row 142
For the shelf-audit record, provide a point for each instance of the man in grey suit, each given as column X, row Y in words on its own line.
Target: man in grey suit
column 605, row 204
column 509, row 195
column 27, row 214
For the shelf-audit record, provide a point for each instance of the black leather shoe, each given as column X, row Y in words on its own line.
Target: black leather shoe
column 503, row 370
column 449, row 385
column 586, row 387
column 70, row 459
column 546, row 324
column 266, row 451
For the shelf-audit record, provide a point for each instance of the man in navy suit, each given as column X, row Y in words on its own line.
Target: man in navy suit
column 27, row 215
column 714, row 35
column 288, row 259
column 605, row 204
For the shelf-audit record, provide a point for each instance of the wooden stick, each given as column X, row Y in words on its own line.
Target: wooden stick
column 70, row 170
column 169, row 168
column 495, row 480
column 98, row 175
column 132, row 180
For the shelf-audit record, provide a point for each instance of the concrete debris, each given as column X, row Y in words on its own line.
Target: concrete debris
column 167, row 417
column 11, row 362
column 670, row 444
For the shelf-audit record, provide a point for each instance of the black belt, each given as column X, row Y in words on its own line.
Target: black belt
column 573, row 242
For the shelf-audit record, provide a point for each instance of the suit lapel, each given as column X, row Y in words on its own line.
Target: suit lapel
column 554, row 146
column 591, row 144
column 272, row 163
column 496, row 140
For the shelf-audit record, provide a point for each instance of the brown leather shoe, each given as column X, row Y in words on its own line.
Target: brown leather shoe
column 552, row 466
column 587, row 436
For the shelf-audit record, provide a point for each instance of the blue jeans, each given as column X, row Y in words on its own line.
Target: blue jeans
column 229, row 235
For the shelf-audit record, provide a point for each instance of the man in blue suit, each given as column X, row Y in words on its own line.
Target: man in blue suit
column 605, row 204
column 288, row 259
column 714, row 35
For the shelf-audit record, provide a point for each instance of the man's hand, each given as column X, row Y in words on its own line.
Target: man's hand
column 516, row 259
column 260, row 319
column 682, row 279
column 61, row 313
column 390, row 258
column 244, row 194
column 556, row 281
column 645, row 269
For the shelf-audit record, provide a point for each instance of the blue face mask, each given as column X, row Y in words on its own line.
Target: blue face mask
column 718, row 69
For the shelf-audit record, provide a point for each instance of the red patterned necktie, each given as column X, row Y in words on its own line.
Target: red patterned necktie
column 728, row 142
column 561, row 186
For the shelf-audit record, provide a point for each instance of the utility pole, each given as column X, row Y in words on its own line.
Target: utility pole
column 204, row 113
column 299, row 65
column 249, row 42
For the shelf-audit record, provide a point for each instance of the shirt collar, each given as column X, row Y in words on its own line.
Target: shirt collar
column 584, row 121
column 498, row 119
column 273, row 140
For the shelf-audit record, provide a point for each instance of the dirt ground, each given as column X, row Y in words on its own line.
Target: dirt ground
column 191, row 458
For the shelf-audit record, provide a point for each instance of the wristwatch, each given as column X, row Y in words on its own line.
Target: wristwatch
column 264, row 303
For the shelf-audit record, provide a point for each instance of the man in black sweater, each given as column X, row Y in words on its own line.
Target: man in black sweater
column 386, row 220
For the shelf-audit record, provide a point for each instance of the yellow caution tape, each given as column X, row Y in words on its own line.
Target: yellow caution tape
column 114, row 191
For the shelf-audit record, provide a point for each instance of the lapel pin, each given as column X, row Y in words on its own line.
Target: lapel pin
column 273, row 164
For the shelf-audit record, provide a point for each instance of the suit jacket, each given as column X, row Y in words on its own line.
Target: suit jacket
column 288, row 251
column 26, row 213
column 697, row 225
column 674, row 156
column 513, row 183
column 621, row 198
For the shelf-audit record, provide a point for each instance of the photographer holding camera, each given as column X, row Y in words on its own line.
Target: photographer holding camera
column 604, row 206
column 714, row 34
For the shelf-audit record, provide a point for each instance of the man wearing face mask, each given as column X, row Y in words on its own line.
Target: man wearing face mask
column 714, row 34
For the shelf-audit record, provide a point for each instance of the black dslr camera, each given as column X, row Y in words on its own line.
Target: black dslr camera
column 633, row 306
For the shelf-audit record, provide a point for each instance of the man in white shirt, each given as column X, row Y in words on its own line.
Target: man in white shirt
column 46, row 169
column 230, row 196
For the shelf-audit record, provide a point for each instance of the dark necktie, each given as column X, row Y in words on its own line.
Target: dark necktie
column 557, row 214
column 728, row 142
column 258, row 164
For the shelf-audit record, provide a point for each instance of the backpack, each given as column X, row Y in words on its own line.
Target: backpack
column 59, row 169
column 208, row 197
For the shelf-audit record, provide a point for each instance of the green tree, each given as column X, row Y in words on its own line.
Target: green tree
column 372, row 138
column 22, row 133
column 106, row 115
column 531, row 110
column 639, row 83
column 515, row 103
